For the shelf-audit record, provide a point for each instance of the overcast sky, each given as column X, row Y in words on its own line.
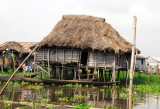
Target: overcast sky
column 32, row 20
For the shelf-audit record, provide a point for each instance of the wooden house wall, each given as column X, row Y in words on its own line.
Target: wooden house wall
column 101, row 59
column 58, row 55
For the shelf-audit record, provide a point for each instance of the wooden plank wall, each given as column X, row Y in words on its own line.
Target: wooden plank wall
column 59, row 55
column 101, row 59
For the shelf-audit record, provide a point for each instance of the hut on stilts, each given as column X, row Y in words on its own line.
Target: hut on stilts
column 13, row 53
column 87, row 46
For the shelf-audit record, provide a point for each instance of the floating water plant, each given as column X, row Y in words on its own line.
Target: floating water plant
column 81, row 106
column 63, row 99
column 58, row 92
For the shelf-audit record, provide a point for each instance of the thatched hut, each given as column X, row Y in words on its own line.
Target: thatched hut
column 14, row 51
column 84, row 42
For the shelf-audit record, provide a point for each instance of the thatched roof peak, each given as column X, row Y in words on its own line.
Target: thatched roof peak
column 86, row 32
column 83, row 17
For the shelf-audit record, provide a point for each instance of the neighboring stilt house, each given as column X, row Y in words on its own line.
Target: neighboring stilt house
column 140, row 64
column 13, row 53
column 87, row 45
column 153, row 64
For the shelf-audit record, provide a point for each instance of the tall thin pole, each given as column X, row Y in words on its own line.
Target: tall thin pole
column 17, row 69
column 132, row 62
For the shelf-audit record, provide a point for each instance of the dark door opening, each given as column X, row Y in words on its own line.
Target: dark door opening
column 84, row 57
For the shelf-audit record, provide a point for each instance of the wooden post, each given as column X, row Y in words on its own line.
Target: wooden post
column 41, row 74
column 98, row 75
column 62, row 73
column 119, row 74
column 148, row 74
column 113, row 71
column 132, row 62
column 49, row 64
column 35, row 62
column 157, row 71
column 75, row 73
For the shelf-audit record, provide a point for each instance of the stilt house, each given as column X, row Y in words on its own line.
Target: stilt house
column 19, row 49
column 84, row 42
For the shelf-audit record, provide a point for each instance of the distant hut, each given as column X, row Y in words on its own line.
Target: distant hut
column 85, row 44
column 140, row 63
column 153, row 63
column 13, row 52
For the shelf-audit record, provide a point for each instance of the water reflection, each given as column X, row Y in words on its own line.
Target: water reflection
column 96, row 96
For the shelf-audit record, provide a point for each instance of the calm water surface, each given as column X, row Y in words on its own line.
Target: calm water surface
column 99, row 97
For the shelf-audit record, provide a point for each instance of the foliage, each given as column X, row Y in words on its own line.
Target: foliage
column 112, row 107
column 59, row 92
column 81, row 106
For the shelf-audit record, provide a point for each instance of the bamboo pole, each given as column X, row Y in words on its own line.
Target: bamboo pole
column 132, row 62
column 17, row 69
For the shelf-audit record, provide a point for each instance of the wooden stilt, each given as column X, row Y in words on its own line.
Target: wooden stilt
column 87, row 74
column 35, row 62
column 98, row 75
column 127, row 72
column 75, row 76
column 49, row 63
column 113, row 71
column 119, row 74
column 62, row 73
column 41, row 74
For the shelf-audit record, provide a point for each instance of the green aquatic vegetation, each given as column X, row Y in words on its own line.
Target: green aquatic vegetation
column 81, row 106
column 152, row 88
column 78, row 85
column 102, row 90
column 104, row 86
column 63, row 99
column 10, row 85
column 24, row 101
column 36, row 87
column 86, row 85
column 58, row 92
column 16, row 84
column 77, row 97
column 41, row 84
column 123, row 95
column 112, row 107
column 69, row 85
column 50, row 107
column 43, row 100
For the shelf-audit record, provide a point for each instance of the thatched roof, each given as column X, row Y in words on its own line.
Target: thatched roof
column 13, row 46
column 86, row 32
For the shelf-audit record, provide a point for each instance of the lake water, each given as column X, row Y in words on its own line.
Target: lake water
column 99, row 97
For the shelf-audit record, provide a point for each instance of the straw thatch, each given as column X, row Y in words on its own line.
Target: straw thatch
column 86, row 32
column 13, row 46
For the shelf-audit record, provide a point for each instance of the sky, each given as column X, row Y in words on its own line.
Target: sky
column 32, row 20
